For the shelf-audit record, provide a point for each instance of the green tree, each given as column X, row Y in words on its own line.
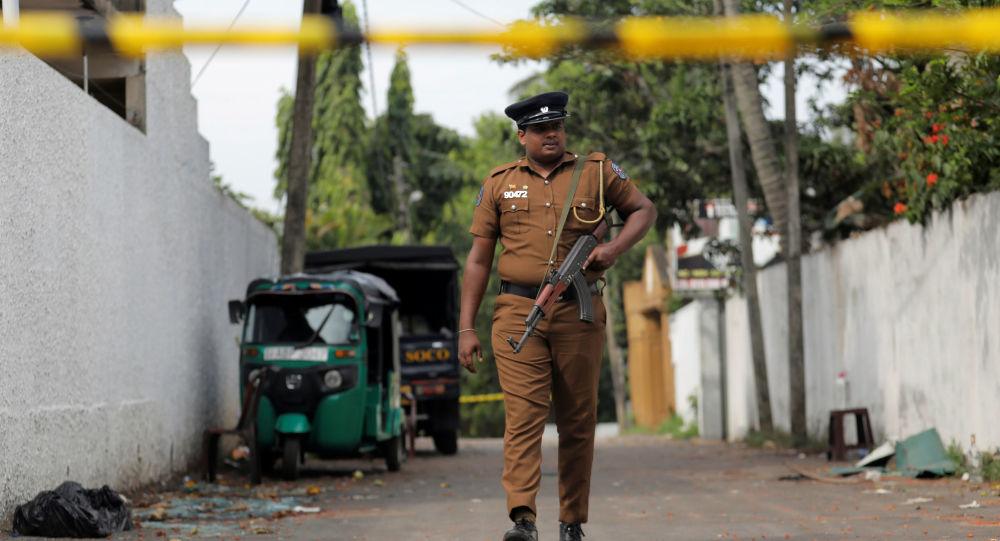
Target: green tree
column 424, row 155
column 924, row 123
column 339, row 209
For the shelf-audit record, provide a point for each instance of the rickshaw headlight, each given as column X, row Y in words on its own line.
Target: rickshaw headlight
column 333, row 379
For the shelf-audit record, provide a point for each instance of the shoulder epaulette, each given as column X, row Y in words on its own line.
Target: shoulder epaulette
column 496, row 171
column 596, row 157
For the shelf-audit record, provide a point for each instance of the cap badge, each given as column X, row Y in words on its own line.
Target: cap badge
column 545, row 109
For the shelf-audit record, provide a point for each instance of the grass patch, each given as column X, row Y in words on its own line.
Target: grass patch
column 674, row 426
column 781, row 439
column 991, row 467
column 989, row 463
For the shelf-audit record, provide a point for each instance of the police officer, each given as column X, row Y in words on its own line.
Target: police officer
column 520, row 204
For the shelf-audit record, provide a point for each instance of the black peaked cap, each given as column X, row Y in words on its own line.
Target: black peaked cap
column 541, row 108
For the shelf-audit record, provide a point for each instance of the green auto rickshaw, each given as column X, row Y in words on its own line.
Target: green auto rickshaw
column 325, row 348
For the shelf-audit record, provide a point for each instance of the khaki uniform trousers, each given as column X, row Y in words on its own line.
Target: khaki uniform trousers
column 563, row 357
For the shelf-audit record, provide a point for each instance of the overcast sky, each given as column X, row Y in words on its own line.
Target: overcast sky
column 238, row 91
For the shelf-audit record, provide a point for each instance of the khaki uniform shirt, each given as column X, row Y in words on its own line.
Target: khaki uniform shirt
column 521, row 208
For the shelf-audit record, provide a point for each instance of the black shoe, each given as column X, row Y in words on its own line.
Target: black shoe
column 570, row 531
column 523, row 530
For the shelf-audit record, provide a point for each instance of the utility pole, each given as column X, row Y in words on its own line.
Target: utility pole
column 402, row 191
column 293, row 240
column 796, row 348
column 614, row 351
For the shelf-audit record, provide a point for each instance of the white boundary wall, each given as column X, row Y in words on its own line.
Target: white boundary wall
column 910, row 313
column 117, row 257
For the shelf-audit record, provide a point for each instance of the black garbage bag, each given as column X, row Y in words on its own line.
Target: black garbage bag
column 73, row 511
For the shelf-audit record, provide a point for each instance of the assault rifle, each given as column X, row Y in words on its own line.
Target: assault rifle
column 569, row 274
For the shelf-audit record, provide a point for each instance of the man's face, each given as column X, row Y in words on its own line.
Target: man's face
column 544, row 142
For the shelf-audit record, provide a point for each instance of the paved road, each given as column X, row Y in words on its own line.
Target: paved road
column 645, row 488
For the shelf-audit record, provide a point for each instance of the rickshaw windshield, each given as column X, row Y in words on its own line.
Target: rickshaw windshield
column 294, row 319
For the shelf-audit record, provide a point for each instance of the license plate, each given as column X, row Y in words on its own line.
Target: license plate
column 292, row 354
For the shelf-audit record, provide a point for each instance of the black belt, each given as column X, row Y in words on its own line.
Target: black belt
column 532, row 292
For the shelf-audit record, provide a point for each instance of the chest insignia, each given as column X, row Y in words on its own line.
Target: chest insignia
column 513, row 193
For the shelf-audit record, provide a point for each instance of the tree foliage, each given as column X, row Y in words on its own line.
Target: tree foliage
column 924, row 124
column 339, row 210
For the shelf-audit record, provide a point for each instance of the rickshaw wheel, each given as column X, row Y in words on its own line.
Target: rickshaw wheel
column 395, row 452
column 267, row 459
column 446, row 441
column 290, row 459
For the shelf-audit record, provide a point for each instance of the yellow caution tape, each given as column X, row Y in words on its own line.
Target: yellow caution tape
column 56, row 34
column 133, row 35
column 50, row 35
column 481, row 398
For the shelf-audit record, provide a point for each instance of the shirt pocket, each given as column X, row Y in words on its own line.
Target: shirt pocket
column 583, row 214
column 514, row 216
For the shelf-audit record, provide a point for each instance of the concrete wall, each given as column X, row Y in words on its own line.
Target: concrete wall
column 687, row 355
column 117, row 257
column 910, row 313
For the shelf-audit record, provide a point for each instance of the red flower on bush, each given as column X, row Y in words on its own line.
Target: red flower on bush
column 931, row 139
column 944, row 140
column 899, row 208
column 931, row 179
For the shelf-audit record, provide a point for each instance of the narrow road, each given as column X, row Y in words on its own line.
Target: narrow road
column 644, row 488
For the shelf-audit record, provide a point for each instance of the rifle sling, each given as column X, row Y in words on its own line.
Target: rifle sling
column 577, row 171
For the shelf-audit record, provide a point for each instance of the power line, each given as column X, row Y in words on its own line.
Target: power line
column 474, row 12
column 371, row 78
column 209, row 61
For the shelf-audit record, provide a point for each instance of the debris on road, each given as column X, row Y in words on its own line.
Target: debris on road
column 923, row 455
column 73, row 511
column 879, row 456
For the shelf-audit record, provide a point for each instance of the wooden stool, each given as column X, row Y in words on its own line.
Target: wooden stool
column 837, row 449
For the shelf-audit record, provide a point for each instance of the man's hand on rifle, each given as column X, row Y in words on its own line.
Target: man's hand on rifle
column 469, row 349
column 602, row 258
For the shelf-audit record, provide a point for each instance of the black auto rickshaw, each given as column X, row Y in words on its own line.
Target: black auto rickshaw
column 426, row 280
column 326, row 347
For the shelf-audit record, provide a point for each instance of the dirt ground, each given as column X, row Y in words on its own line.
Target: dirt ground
column 644, row 488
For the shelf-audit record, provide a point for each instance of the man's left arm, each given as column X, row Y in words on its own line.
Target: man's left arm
column 640, row 215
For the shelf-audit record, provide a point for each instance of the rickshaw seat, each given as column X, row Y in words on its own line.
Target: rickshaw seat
column 246, row 429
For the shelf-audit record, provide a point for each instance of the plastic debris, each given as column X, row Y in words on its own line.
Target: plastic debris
column 312, row 491
column 73, row 511
column 241, row 453
column 973, row 505
column 379, row 483
column 917, row 500
column 879, row 455
column 923, row 455
column 301, row 509
column 358, row 474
